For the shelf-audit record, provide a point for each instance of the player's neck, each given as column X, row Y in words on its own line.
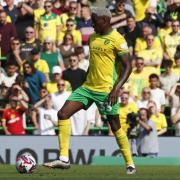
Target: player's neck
column 106, row 31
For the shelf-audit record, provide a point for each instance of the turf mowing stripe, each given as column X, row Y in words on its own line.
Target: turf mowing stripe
column 141, row 161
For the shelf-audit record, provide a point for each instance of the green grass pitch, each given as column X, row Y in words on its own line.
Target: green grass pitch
column 8, row 172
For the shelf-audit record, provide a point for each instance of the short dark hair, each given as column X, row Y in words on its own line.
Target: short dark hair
column 31, row 65
column 154, row 76
column 167, row 63
column 139, row 58
column 79, row 50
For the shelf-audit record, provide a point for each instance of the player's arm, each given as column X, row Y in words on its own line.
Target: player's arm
column 126, row 69
column 4, row 123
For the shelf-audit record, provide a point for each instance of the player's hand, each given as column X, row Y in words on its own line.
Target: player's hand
column 113, row 97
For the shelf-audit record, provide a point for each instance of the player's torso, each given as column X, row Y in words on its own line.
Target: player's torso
column 103, row 68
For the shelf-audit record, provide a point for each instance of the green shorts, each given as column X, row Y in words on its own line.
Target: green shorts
column 87, row 97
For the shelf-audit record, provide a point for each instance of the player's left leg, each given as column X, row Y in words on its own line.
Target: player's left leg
column 123, row 143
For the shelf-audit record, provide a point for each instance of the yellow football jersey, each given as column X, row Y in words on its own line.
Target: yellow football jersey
column 104, row 67
column 48, row 26
column 170, row 44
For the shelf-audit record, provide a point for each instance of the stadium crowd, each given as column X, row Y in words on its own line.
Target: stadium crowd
column 44, row 57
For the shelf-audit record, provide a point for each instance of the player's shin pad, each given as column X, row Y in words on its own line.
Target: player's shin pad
column 64, row 136
column 123, row 143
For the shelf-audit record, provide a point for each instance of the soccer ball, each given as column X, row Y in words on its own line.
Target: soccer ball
column 25, row 163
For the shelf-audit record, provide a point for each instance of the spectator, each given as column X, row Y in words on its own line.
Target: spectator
column 145, row 98
column 43, row 93
column 58, row 7
column 25, row 18
column 140, row 7
column 57, row 76
column 175, row 119
column 84, row 23
column 147, row 142
column 139, row 77
column 34, row 79
column 157, row 94
column 171, row 41
column 48, row 24
column 11, row 10
column 9, row 79
column 15, row 56
column 67, row 48
column 74, row 74
column 59, row 97
column 126, row 107
column 166, row 29
column 131, row 32
column 176, row 67
column 70, row 28
column 119, row 15
column 152, row 56
column 141, row 43
column 151, row 19
column 38, row 11
column 40, row 64
column 83, row 62
column 51, row 55
column 12, row 120
column 168, row 79
column 158, row 118
column 47, row 118
column 19, row 92
column 72, row 13
column 29, row 43
column 4, row 93
column 174, row 97
column 8, row 32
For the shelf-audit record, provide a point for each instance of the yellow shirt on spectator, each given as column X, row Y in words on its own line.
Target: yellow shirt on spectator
column 52, row 87
column 48, row 26
column 41, row 65
column 63, row 18
column 176, row 70
column 37, row 14
column 162, row 33
column 160, row 121
column 140, row 7
column 142, row 45
column 170, row 44
column 151, row 55
column 124, row 111
column 77, row 38
column 137, row 81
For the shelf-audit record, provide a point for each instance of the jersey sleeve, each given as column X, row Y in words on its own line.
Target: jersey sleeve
column 121, row 45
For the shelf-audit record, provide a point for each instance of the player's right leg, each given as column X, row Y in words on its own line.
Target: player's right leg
column 69, row 108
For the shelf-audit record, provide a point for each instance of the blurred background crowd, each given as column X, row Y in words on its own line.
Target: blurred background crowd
column 44, row 57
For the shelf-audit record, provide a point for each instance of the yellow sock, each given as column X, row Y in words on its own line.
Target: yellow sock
column 123, row 143
column 64, row 137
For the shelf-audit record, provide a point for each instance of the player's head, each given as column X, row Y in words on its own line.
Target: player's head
column 101, row 18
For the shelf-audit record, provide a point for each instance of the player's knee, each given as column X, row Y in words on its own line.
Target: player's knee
column 62, row 115
column 114, row 123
